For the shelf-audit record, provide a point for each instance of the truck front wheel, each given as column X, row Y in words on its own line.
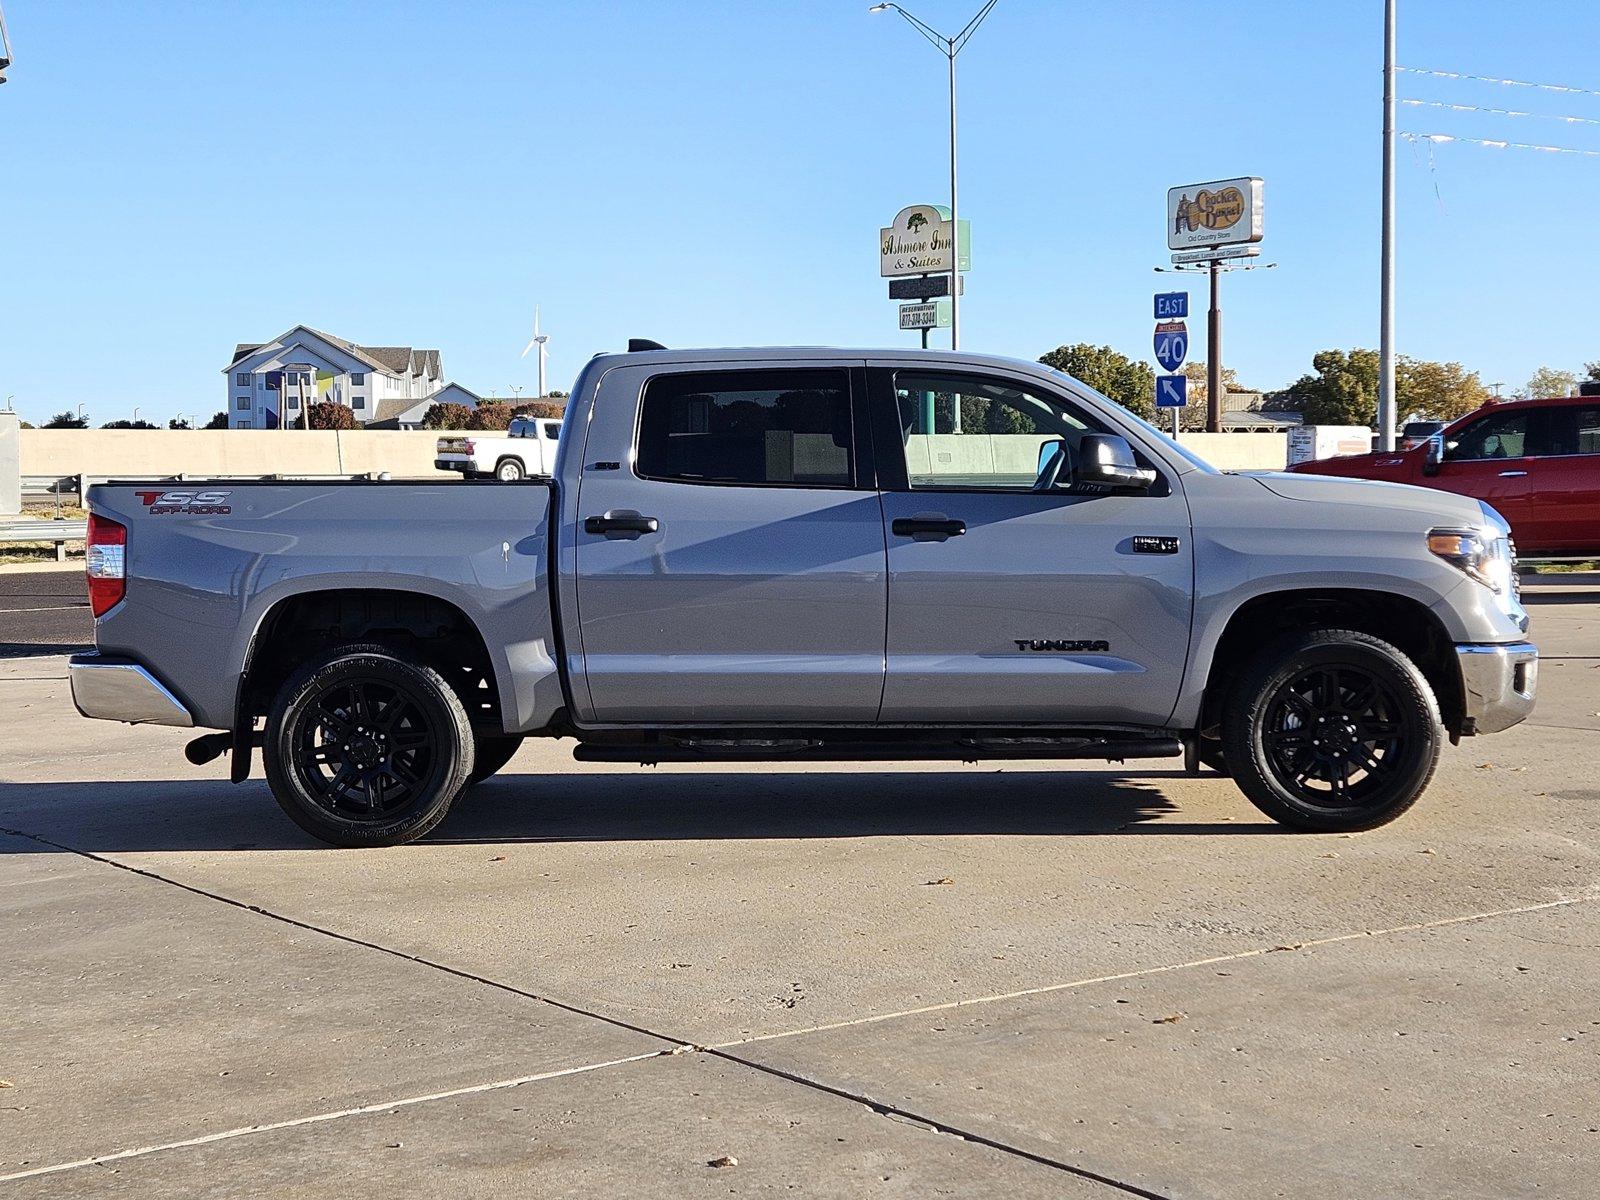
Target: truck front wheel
column 364, row 748
column 1332, row 731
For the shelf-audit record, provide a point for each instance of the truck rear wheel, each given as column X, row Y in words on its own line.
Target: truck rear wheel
column 492, row 752
column 508, row 470
column 1332, row 731
column 363, row 748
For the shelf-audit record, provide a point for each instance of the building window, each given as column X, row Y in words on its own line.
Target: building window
column 294, row 402
column 358, row 401
column 242, row 402
column 242, row 378
column 244, row 425
column 357, row 378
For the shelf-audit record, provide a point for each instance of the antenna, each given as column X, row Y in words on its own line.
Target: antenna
column 538, row 339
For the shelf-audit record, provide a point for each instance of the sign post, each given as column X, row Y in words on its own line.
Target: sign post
column 1210, row 223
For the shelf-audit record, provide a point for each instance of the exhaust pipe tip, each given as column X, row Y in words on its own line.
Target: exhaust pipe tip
column 208, row 748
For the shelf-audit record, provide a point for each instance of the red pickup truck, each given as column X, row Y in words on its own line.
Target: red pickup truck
column 1536, row 461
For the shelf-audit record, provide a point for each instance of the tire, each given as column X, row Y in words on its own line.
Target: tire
column 363, row 748
column 509, row 470
column 1332, row 731
column 492, row 752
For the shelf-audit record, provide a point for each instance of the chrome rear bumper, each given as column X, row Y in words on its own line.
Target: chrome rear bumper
column 1497, row 685
column 119, row 689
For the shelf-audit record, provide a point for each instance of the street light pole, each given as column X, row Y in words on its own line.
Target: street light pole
column 949, row 47
column 1386, row 412
column 955, row 224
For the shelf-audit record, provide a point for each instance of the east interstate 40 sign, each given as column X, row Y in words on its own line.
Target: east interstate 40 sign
column 1171, row 344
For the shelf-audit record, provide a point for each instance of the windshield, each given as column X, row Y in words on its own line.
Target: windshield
column 1183, row 452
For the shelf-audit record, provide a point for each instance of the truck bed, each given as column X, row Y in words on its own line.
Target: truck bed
column 209, row 560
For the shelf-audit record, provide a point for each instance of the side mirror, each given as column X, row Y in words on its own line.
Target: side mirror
column 1055, row 466
column 1432, row 454
column 1105, row 461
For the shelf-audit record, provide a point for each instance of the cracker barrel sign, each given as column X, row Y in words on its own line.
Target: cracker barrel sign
column 918, row 242
column 1228, row 212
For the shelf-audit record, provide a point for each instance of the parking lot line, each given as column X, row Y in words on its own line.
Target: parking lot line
column 1165, row 968
column 318, row 1118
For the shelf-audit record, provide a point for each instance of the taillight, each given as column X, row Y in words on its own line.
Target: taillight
column 467, row 446
column 106, row 557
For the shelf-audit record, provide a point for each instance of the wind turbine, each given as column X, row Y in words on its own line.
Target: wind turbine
column 538, row 339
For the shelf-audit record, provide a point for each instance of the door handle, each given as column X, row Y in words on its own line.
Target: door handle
column 931, row 527
column 621, row 522
column 1512, row 474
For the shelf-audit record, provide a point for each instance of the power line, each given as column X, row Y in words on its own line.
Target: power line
column 1545, row 87
column 1495, row 144
column 1500, row 112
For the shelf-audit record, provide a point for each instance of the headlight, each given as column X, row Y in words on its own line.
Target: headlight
column 1485, row 555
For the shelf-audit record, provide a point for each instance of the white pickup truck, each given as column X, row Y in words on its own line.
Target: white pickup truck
column 527, row 448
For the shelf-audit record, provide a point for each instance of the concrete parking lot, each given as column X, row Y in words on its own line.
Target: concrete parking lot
column 898, row 980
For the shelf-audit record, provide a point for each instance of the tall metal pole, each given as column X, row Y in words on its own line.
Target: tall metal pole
column 1214, row 396
column 955, row 218
column 1386, row 412
column 949, row 47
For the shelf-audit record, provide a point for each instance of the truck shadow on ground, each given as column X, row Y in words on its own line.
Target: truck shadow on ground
column 199, row 815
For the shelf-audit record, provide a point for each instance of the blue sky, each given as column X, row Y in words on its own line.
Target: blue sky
column 176, row 177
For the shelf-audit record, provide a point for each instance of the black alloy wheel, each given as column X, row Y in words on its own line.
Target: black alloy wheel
column 1334, row 730
column 1333, row 735
column 364, row 748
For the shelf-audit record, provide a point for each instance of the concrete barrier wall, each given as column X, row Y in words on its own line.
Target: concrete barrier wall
column 1240, row 451
column 1018, row 453
column 10, row 463
column 128, row 452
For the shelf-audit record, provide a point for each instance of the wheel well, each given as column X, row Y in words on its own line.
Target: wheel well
column 1404, row 623
column 516, row 458
column 434, row 631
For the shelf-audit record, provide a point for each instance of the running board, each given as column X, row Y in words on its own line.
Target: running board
column 701, row 750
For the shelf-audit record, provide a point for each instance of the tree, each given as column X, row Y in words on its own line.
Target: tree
column 447, row 416
column 542, row 408
column 1344, row 390
column 557, row 394
column 491, row 415
column 1436, row 391
column 141, row 424
column 67, row 420
column 179, row 423
column 1193, row 415
column 1594, row 371
column 325, row 414
column 1548, row 381
column 1131, row 384
column 219, row 421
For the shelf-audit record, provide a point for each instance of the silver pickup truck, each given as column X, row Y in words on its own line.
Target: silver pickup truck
column 812, row 554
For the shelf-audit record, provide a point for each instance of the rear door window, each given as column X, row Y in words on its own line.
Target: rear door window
column 764, row 428
column 1575, row 429
column 1515, row 434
